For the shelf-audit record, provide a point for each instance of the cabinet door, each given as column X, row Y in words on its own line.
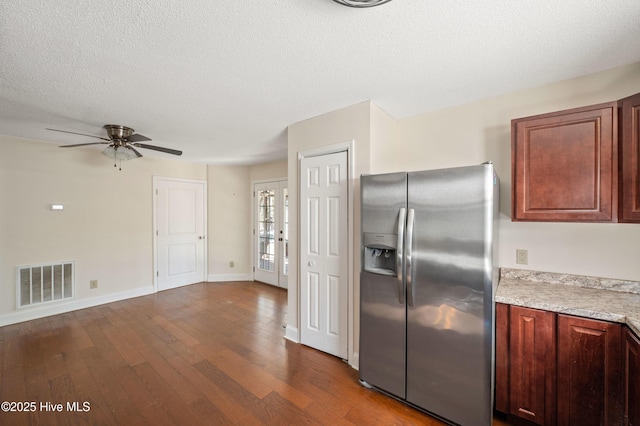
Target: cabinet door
column 502, row 358
column 532, row 367
column 630, row 159
column 632, row 380
column 565, row 165
column 589, row 372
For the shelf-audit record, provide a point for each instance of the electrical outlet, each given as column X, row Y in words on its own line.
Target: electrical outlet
column 232, row 264
column 93, row 284
column 522, row 257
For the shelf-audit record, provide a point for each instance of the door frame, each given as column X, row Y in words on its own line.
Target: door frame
column 348, row 146
column 155, row 224
column 254, row 236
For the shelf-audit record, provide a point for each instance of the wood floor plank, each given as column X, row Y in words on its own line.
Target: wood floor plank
column 175, row 331
column 165, row 394
column 13, row 365
column 276, row 410
column 185, row 390
column 78, row 334
column 109, row 388
column 123, row 346
column 37, row 385
column 1, row 355
column 230, row 407
column 209, row 353
column 255, row 379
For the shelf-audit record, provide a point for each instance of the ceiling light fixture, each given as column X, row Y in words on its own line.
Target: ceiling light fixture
column 361, row 3
column 119, row 153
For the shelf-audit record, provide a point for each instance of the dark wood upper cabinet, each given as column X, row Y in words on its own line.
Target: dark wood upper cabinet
column 589, row 372
column 565, row 165
column 632, row 379
column 577, row 165
column 630, row 159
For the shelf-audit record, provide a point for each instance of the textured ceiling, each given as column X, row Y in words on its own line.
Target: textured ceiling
column 222, row 80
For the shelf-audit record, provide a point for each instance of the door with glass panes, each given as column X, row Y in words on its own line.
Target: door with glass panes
column 271, row 232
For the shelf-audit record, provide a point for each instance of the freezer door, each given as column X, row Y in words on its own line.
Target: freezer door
column 382, row 303
column 382, row 197
column 450, row 295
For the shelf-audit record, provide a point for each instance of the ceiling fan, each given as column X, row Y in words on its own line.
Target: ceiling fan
column 122, row 143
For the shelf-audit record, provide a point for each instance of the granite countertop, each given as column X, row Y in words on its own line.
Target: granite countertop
column 591, row 297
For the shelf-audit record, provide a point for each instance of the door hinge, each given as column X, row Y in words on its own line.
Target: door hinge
column 156, row 192
column 156, row 232
column 157, row 273
column 254, row 269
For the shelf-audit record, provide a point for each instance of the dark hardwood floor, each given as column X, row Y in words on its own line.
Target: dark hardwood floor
column 202, row 354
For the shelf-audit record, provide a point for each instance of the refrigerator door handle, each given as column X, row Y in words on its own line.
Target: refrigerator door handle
column 402, row 219
column 408, row 255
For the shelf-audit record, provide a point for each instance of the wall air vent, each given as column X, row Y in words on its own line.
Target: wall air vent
column 40, row 284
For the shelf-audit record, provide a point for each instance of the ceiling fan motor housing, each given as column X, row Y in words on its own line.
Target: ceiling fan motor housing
column 115, row 131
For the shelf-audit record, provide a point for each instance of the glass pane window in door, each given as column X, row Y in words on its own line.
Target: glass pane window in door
column 285, row 232
column 266, row 230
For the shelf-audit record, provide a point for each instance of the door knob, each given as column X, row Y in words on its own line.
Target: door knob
column 311, row 263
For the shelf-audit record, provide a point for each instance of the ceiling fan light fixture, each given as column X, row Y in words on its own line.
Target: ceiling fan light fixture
column 119, row 153
column 361, row 3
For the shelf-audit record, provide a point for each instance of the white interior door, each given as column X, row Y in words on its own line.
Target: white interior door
column 324, row 253
column 180, row 212
column 271, row 233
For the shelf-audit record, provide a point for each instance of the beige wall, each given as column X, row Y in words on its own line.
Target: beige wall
column 269, row 171
column 230, row 217
column 480, row 131
column 106, row 225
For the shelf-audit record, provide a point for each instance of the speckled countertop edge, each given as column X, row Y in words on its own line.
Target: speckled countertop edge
column 597, row 298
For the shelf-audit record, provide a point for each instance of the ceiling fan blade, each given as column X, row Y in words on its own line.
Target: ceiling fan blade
column 81, row 134
column 158, row 148
column 129, row 146
column 137, row 138
column 83, row 144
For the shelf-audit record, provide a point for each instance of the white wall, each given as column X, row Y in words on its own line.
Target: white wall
column 106, row 225
column 480, row 131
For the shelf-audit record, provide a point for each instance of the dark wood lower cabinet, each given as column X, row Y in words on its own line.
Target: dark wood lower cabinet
column 589, row 372
column 566, row 370
column 632, row 379
column 532, row 374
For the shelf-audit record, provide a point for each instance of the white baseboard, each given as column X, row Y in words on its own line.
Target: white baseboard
column 29, row 314
column 214, row 278
column 355, row 361
column 292, row 334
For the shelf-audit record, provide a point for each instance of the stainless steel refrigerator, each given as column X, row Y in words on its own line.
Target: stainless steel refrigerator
column 427, row 289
